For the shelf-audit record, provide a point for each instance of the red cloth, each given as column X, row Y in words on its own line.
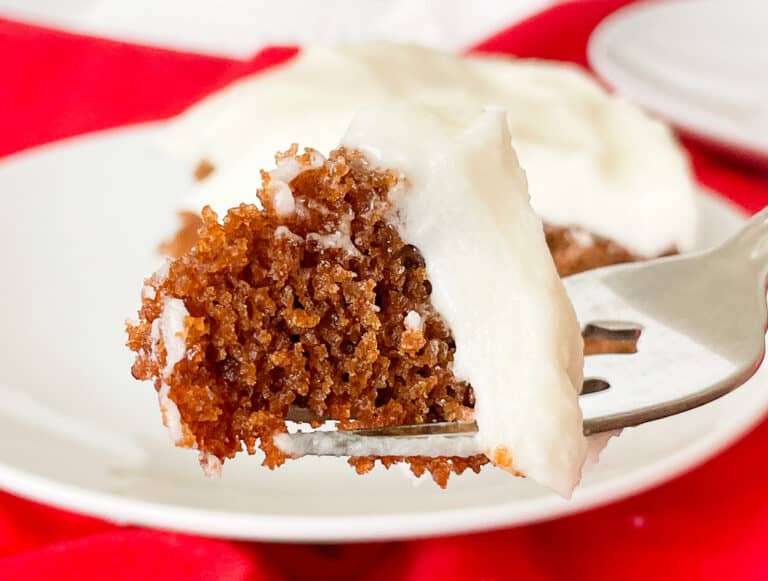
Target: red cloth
column 710, row 524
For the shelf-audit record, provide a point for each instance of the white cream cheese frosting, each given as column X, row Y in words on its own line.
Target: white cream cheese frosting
column 466, row 207
column 168, row 340
column 592, row 159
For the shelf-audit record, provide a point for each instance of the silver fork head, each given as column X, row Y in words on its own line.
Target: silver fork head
column 703, row 319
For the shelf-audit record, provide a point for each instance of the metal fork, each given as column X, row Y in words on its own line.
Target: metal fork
column 701, row 319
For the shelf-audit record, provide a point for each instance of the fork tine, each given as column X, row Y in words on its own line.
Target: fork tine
column 432, row 429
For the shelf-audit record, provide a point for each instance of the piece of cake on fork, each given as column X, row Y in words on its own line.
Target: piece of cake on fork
column 403, row 279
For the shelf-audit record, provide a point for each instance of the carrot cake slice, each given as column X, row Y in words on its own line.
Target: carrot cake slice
column 403, row 279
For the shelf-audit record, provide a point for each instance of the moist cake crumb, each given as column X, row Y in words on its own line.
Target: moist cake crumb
column 203, row 169
column 576, row 250
column 439, row 468
column 279, row 316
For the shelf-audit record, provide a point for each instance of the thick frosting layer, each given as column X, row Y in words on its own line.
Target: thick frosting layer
column 466, row 207
column 592, row 160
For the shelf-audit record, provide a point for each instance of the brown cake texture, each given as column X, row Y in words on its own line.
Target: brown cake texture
column 310, row 309
column 576, row 250
column 203, row 169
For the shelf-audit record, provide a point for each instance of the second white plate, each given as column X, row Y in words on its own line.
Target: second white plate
column 700, row 64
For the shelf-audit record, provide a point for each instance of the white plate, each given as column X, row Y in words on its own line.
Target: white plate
column 78, row 227
column 701, row 64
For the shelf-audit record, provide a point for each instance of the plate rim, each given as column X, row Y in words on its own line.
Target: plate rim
column 332, row 529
